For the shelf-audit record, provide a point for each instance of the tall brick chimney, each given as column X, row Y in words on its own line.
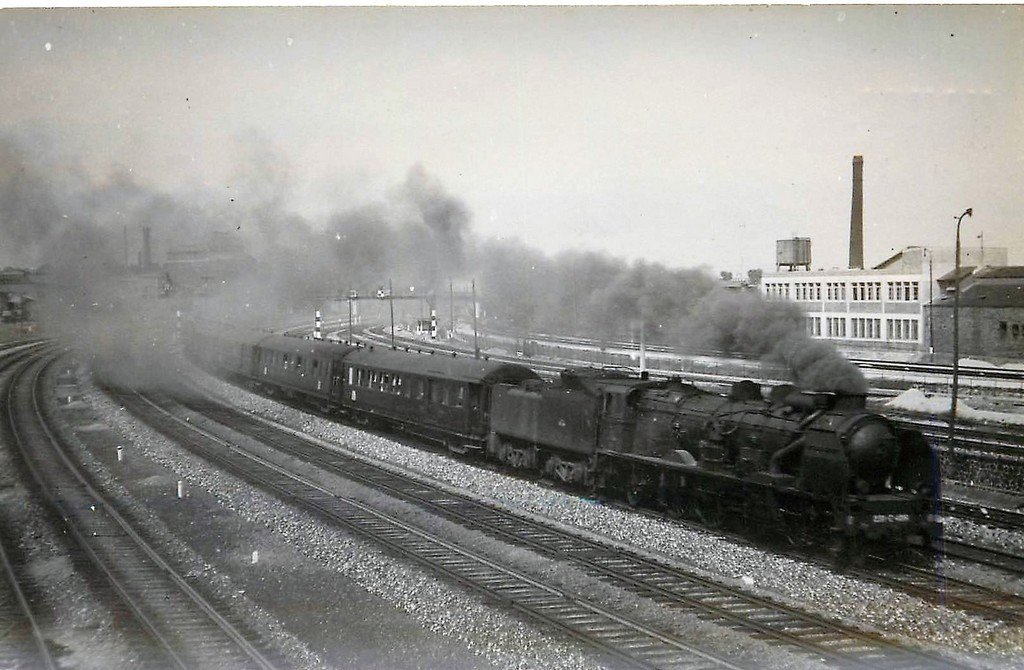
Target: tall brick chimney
column 857, row 216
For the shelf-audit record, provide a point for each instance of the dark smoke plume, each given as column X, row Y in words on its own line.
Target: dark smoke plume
column 774, row 331
column 443, row 218
column 270, row 266
column 586, row 293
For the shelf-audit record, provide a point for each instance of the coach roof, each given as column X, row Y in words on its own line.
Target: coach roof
column 445, row 366
column 301, row 345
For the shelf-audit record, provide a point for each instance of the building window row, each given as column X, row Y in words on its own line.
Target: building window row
column 835, row 290
column 836, row 326
column 861, row 291
column 807, row 290
column 898, row 330
column 907, row 291
column 865, row 328
column 902, row 329
column 1014, row 330
column 870, row 291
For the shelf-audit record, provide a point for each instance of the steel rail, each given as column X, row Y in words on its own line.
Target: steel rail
column 160, row 568
column 12, row 575
column 639, row 645
column 669, row 586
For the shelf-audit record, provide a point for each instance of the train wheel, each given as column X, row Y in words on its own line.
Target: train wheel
column 674, row 506
column 636, row 494
column 839, row 552
column 598, row 485
column 709, row 511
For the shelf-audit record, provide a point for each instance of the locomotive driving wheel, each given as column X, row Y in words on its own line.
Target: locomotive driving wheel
column 709, row 509
column 636, row 489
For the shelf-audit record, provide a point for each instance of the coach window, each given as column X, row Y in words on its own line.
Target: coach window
column 436, row 392
column 285, row 361
column 298, row 363
column 460, row 396
column 420, row 391
column 473, row 394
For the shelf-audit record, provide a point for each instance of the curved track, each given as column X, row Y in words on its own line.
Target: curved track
column 669, row 586
column 184, row 629
column 24, row 641
column 630, row 642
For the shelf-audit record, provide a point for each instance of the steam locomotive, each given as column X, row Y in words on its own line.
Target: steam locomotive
column 813, row 469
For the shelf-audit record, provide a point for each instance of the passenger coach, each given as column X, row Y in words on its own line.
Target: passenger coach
column 443, row 398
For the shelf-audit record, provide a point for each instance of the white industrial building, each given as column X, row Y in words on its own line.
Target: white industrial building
column 881, row 308
column 884, row 307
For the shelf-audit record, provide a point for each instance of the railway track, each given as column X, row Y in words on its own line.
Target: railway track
column 670, row 586
column 927, row 582
column 630, row 642
column 994, row 558
column 24, row 640
column 182, row 628
column 984, row 515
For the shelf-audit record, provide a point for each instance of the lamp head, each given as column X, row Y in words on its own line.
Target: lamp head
column 969, row 212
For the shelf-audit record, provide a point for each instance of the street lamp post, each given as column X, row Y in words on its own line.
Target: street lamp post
column 956, row 336
column 931, row 313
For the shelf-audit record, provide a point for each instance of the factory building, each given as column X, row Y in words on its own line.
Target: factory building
column 881, row 308
column 886, row 308
column 991, row 312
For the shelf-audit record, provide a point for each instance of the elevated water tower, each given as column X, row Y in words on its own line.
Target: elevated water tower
column 793, row 253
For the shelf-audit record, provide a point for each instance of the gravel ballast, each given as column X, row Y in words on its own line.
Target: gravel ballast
column 803, row 584
column 412, row 619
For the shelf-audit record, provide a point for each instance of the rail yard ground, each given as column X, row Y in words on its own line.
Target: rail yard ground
column 355, row 606
column 328, row 600
column 12, row 332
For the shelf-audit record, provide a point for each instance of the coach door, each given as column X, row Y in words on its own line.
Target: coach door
column 337, row 379
column 253, row 366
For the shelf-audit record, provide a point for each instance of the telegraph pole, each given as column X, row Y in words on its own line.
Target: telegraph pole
column 391, row 303
column 351, row 297
column 476, row 345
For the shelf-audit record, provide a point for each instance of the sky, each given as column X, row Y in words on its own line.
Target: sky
column 688, row 136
